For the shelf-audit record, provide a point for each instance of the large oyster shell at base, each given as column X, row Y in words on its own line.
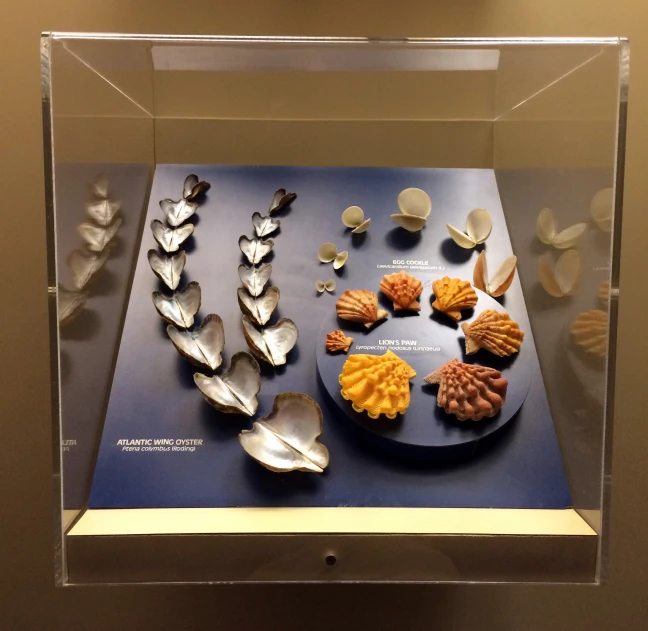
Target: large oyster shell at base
column 258, row 309
column 337, row 341
column 360, row 305
column 468, row 391
column 203, row 346
column 180, row 308
column 254, row 279
column 287, row 439
column 452, row 295
column 377, row 384
column 273, row 343
column 494, row 332
column 235, row 391
column 590, row 331
column 403, row 290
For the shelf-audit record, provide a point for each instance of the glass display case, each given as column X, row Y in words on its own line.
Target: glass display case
column 330, row 309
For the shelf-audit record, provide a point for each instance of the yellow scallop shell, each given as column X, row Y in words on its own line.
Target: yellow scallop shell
column 452, row 295
column 377, row 384
column 493, row 331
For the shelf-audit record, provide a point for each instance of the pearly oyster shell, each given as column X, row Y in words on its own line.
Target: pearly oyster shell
column 468, row 391
column 70, row 304
column 85, row 266
column 602, row 209
column 103, row 211
column 494, row 332
column 263, row 226
column 235, row 391
column 255, row 249
column 547, row 232
column 452, row 295
column 273, row 343
column 180, row 308
column 168, row 238
column 337, row 341
column 177, row 212
column 193, row 187
column 98, row 237
column 280, row 200
column 360, row 305
column 258, row 309
column 478, row 228
column 403, row 290
column 501, row 280
column 561, row 280
column 167, row 268
column 377, row 384
column 287, row 439
column 590, row 331
column 204, row 345
column 328, row 285
column 415, row 207
column 254, row 279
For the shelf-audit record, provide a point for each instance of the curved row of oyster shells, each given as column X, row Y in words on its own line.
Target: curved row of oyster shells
column 415, row 206
column 478, row 228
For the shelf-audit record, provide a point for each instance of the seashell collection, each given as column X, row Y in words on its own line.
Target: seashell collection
column 451, row 295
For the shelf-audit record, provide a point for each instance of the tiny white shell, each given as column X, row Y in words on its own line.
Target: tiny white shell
column 414, row 201
column 353, row 216
column 327, row 253
column 320, row 286
column 328, row 285
column 409, row 222
column 363, row 227
column 340, row 260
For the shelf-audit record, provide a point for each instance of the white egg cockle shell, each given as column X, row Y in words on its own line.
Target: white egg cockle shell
column 500, row 281
column 460, row 238
column 322, row 286
column 353, row 216
column 415, row 202
column 340, row 260
column 479, row 224
column 327, row 253
column 547, row 232
column 411, row 223
column 363, row 227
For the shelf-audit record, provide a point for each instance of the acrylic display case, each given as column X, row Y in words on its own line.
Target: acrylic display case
column 492, row 469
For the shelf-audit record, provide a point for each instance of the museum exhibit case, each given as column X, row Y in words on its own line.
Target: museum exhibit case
column 330, row 309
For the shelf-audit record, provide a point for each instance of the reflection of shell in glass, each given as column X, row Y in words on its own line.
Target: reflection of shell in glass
column 604, row 293
column 493, row 331
column 403, row 290
column 452, row 295
column 337, row 341
column 359, row 305
column 590, row 331
column 377, row 384
column 468, row 391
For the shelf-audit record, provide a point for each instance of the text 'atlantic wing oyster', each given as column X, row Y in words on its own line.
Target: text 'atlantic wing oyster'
column 468, row 391
column 263, row 226
column 258, row 309
column 493, row 331
column 452, row 295
column 85, row 266
column 194, row 188
column 98, row 237
column 287, row 439
column 254, row 279
column 255, row 249
column 235, row 391
column 170, row 240
column 280, row 200
column 203, row 346
column 103, row 211
column 273, row 343
column 180, row 308
column 167, row 268
column 177, row 212
column 70, row 304
column 360, row 305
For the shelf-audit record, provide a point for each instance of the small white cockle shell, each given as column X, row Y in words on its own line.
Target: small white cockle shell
column 501, row 280
column 353, row 217
column 478, row 228
column 547, row 232
column 325, row 285
column 415, row 206
column 328, row 254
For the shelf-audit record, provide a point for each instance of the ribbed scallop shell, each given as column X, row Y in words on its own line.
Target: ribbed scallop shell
column 377, row 384
column 469, row 392
column 452, row 295
column 493, row 331
column 604, row 292
column 403, row 290
column 337, row 341
column 359, row 305
column 590, row 330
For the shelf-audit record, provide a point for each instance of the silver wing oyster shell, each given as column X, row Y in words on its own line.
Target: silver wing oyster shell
column 203, row 346
column 287, row 439
column 167, row 268
column 103, row 211
column 263, row 226
column 193, row 187
column 180, row 308
column 84, row 266
column 255, row 249
column 70, row 304
column 169, row 239
column 254, row 279
column 99, row 187
column 235, row 391
column 281, row 199
column 98, row 237
column 177, row 212
column 258, row 309
column 273, row 343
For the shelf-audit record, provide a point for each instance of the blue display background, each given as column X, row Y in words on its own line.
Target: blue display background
column 153, row 394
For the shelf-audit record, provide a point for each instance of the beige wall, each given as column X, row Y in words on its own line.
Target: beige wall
column 27, row 597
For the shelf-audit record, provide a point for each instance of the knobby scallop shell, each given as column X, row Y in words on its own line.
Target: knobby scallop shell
column 403, row 290
column 377, row 384
column 469, row 392
column 452, row 295
column 359, row 305
column 337, row 341
column 590, row 331
column 493, row 331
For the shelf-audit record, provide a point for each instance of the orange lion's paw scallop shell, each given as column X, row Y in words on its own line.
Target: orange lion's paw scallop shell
column 360, row 305
column 493, row 331
column 468, row 391
column 377, row 384
column 452, row 295
column 403, row 290
column 337, row 341
column 590, row 331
